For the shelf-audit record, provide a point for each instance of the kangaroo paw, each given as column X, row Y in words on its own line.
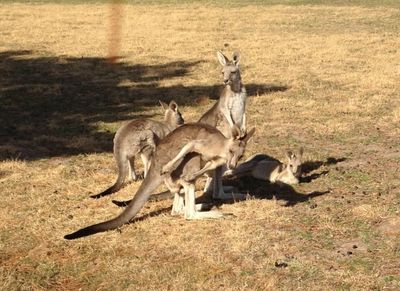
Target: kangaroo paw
column 228, row 173
column 189, row 178
column 166, row 169
column 139, row 176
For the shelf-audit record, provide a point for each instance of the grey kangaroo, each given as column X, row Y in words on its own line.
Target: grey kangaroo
column 264, row 168
column 229, row 110
column 231, row 150
column 140, row 137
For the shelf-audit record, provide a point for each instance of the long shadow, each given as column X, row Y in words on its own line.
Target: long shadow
column 264, row 190
column 310, row 166
column 256, row 188
column 56, row 106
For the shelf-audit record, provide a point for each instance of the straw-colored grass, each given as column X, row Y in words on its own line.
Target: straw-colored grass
column 322, row 77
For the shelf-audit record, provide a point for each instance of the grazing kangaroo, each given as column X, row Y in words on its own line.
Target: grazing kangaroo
column 216, row 151
column 167, row 150
column 140, row 137
column 229, row 110
column 264, row 168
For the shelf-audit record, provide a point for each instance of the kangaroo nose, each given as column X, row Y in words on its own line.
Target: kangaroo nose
column 226, row 81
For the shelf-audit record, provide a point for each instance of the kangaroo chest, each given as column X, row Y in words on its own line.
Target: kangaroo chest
column 237, row 106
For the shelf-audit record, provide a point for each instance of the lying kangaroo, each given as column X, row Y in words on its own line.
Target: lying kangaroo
column 231, row 150
column 140, row 137
column 228, row 111
column 264, row 168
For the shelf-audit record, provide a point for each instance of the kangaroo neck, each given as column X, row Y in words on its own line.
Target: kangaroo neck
column 236, row 87
column 168, row 127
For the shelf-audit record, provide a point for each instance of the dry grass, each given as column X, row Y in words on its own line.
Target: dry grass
column 324, row 77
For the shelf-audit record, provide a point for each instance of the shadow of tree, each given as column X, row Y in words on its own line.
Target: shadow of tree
column 50, row 105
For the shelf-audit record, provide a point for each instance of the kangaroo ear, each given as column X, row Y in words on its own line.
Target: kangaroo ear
column 301, row 152
column 248, row 135
column 223, row 60
column 236, row 58
column 289, row 154
column 163, row 105
column 235, row 132
column 173, row 105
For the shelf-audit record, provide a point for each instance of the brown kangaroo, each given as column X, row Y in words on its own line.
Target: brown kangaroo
column 167, row 150
column 140, row 137
column 229, row 110
column 261, row 167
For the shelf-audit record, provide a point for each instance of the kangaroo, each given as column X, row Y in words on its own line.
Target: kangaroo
column 140, row 137
column 229, row 110
column 216, row 151
column 166, row 151
column 264, row 168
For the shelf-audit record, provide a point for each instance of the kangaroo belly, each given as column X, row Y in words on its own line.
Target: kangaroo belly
column 266, row 170
column 238, row 107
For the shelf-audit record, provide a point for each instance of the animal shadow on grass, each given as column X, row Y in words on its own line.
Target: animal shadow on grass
column 54, row 106
column 256, row 188
column 263, row 189
column 310, row 166
column 259, row 189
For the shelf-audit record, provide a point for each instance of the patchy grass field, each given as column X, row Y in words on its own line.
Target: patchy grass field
column 323, row 77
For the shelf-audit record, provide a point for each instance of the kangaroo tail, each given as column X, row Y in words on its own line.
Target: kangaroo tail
column 161, row 196
column 122, row 173
column 152, row 181
column 154, row 197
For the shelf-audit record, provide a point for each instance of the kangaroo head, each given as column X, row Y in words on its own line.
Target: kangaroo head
column 294, row 161
column 172, row 117
column 237, row 145
column 230, row 69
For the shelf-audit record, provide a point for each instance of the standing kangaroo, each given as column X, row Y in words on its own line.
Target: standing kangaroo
column 228, row 111
column 264, row 168
column 228, row 150
column 140, row 137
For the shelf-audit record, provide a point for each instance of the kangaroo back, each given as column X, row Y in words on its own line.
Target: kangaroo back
column 140, row 136
column 165, row 151
column 148, row 186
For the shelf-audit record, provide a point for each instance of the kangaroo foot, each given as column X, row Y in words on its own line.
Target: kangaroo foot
column 230, row 196
column 204, row 206
column 213, row 214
